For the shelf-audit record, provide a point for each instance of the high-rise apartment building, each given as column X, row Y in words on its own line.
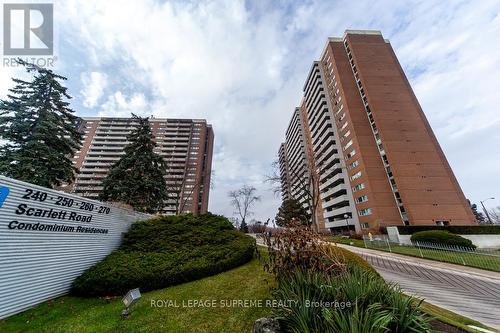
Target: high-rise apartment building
column 185, row 144
column 295, row 171
column 377, row 159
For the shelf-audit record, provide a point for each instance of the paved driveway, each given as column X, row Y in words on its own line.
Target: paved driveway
column 467, row 291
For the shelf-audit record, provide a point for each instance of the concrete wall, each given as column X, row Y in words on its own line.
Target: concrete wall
column 48, row 238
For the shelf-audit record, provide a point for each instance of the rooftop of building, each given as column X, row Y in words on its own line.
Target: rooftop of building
column 350, row 32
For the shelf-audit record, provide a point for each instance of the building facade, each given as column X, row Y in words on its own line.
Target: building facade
column 379, row 162
column 185, row 144
column 297, row 171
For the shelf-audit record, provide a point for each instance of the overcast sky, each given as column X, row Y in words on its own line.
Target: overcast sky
column 241, row 66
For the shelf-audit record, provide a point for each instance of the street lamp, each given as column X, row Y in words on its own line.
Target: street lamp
column 347, row 222
column 484, row 208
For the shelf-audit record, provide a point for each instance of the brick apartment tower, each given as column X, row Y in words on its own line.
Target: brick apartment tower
column 368, row 129
column 185, row 144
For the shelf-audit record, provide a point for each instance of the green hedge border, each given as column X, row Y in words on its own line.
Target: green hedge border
column 457, row 229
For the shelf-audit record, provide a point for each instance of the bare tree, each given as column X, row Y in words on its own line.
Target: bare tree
column 235, row 221
column 243, row 200
column 495, row 215
column 307, row 184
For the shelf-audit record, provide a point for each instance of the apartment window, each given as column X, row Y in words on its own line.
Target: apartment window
column 343, row 126
column 356, row 176
column 365, row 225
column 342, row 117
column 361, row 199
column 351, row 154
column 345, row 135
column 347, row 145
column 365, row 212
column 353, row 165
column 358, row 187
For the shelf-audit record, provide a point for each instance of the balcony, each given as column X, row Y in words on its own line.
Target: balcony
column 339, row 223
column 336, row 200
column 333, row 190
column 339, row 211
column 331, row 181
column 92, row 170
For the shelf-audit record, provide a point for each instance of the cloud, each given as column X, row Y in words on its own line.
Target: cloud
column 118, row 105
column 241, row 65
column 94, row 84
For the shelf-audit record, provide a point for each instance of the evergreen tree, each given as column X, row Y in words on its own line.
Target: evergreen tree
column 244, row 227
column 137, row 178
column 292, row 210
column 40, row 130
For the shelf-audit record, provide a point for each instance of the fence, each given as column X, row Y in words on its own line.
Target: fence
column 481, row 258
column 48, row 238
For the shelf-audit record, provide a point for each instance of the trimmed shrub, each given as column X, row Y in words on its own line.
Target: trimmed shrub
column 441, row 237
column 165, row 251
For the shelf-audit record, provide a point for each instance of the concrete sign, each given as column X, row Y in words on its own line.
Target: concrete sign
column 48, row 238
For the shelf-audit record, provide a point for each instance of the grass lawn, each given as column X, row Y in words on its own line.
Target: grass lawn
column 470, row 259
column 345, row 240
column 248, row 282
column 74, row 314
column 452, row 318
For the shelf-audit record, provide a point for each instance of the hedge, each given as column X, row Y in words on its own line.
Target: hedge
column 165, row 251
column 457, row 229
column 441, row 237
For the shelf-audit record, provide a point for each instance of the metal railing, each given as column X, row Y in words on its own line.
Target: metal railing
column 481, row 258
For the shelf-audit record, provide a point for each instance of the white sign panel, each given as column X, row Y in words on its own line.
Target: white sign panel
column 48, row 238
